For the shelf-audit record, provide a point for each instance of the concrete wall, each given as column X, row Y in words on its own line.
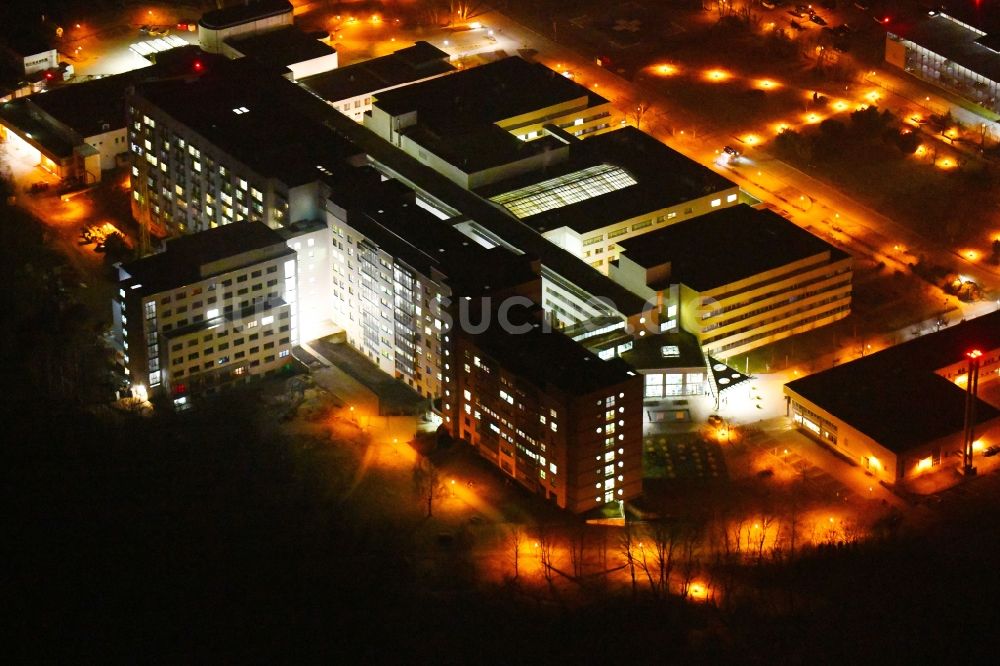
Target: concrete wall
column 213, row 41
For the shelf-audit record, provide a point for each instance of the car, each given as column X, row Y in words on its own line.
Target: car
column 991, row 451
column 729, row 150
column 144, row 29
column 795, row 25
column 863, row 5
column 796, row 13
column 715, row 419
column 159, row 32
column 187, row 24
column 40, row 186
column 817, row 19
column 768, row 4
column 842, row 30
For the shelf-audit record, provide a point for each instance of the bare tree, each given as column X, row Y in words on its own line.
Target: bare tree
column 638, row 112
column 545, row 546
column 577, row 543
column 664, row 543
column 627, row 544
column 427, row 483
column 516, row 542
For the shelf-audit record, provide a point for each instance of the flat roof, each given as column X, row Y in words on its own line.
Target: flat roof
column 22, row 114
column 420, row 240
column 180, row 263
column 420, row 61
column 954, row 41
column 894, row 395
column 283, row 47
column 88, row 106
column 491, row 217
column 260, row 118
column 483, row 95
column 249, row 10
column 551, row 359
column 725, row 246
column 662, row 178
column 665, row 351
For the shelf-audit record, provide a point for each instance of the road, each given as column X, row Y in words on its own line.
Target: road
column 812, row 205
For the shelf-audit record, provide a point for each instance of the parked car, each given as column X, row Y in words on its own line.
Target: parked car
column 768, row 4
column 796, row 13
column 817, row 19
column 795, row 25
column 144, row 29
column 732, row 152
column 991, row 451
column 159, row 32
column 189, row 25
column 40, row 186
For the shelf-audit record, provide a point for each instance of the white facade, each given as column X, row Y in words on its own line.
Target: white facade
column 314, row 252
column 389, row 311
column 39, row 62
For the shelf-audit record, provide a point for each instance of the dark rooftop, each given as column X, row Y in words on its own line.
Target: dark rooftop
column 650, row 352
column 724, row 246
column 280, row 48
column 914, row 405
column 480, row 148
column 23, row 114
column 483, row 95
column 664, row 178
column 419, row 239
column 280, row 135
column 180, row 263
column 953, row 41
column 244, row 12
column 496, row 221
column 551, row 359
column 88, row 107
column 407, row 65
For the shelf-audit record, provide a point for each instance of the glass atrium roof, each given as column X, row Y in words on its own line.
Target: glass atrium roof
column 565, row 190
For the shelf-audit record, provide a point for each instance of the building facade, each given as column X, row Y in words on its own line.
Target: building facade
column 738, row 278
column 568, row 428
column 213, row 309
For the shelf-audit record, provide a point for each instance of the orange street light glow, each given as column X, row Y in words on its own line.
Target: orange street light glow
column 873, row 96
column 698, row 591
column 840, row 105
column 780, row 127
column 665, row 69
column 751, row 139
column 717, row 75
column 946, row 163
column 921, row 150
column 812, row 118
column 767, row 84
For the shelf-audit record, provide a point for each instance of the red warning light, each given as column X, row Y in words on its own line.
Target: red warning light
column 198, row 66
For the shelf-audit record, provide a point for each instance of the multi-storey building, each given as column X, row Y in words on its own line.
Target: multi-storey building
column 738, row 278
column 351, row 89
column 227, row 143
column 612, row 187
column 213, row 309
column 562, row 422
column 401, row 278
column 489, row 123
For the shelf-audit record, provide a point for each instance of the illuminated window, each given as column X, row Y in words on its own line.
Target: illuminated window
column 716, row 203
